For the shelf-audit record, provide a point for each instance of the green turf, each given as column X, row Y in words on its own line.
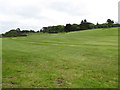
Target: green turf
column 0, row 63
column 81, row 59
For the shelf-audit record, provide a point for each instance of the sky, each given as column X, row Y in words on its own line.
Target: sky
column 35, row 14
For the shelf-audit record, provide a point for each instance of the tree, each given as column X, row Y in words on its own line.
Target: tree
column 67, row 28
column 53, row 29
column 82, row 22
column 91, row 26
column 18, row 29
column 97, row 23
column 85, row 21
column 86, row 25
column 75, row 27
column 38, row 31
column 109, row 21
column 112, row 22
column 13, row 33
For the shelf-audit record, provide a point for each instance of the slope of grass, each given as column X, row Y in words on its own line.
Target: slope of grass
column 0, row 63
column 83, row 59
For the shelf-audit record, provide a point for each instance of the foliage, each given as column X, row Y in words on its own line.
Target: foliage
column 17, row 32
column 84, row 25
column 68, row 27
column 13, row 33
column 109, row 21
column 53, row 29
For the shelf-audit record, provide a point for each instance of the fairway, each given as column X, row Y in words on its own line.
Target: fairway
column 80, row 59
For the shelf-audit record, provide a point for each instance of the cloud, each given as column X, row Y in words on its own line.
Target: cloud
column 119, row 12
column 73, row 9
column 35, row 14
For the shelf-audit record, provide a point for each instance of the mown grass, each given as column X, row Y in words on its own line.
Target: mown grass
column 82, row 59
column 0, row 63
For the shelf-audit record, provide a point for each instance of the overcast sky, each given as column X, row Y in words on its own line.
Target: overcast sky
column 35, row 14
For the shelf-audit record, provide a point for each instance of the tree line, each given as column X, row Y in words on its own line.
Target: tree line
column 84, row 25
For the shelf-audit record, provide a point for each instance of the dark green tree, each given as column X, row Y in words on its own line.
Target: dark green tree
column 18, row 29
column 13, row 33
column 68, row 28
column 109, row 21
column 75, row 27
column 85, row 21
column 82, row 22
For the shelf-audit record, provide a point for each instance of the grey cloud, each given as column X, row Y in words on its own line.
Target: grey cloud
column 34, row 11
column 27, row 11
column 6, row 26
column 24, row 11
column 68, row 8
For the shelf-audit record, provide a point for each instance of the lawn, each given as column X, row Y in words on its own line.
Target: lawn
column 81, row 59
column 0, row 63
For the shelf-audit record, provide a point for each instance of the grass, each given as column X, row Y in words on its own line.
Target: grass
column 82, row 59
column 0, row 63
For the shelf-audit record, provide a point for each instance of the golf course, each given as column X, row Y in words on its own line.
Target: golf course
column 78, row 59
